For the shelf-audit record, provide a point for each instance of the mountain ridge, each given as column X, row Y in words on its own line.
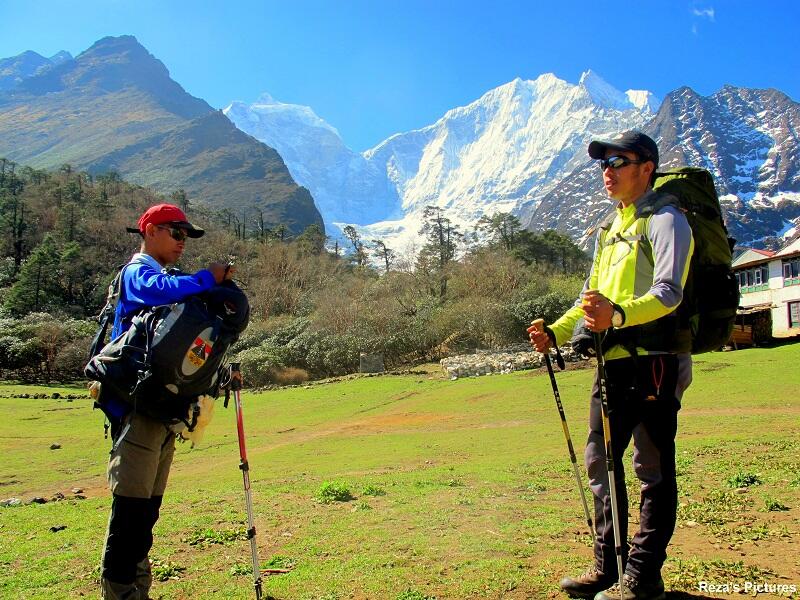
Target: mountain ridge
column 116, row 107
column 521, row 148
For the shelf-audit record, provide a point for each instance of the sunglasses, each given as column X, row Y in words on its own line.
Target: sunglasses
column 176, row 233
column 617, row 162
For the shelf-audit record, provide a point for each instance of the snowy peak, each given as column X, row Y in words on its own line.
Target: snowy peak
column 602, row 93
column 268, row 108
column 606, row 95
column 643, row 100
column 344, row 186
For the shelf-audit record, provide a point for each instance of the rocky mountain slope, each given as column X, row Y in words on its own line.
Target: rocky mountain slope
column 115, row 107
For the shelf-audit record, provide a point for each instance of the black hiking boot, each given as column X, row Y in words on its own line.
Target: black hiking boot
column 587, row 584
column 634, row 589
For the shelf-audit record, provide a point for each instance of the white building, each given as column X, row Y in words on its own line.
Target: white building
column 772, row 280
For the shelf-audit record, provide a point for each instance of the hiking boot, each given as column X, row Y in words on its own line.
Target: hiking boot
column 587, row 584
column 634, row 589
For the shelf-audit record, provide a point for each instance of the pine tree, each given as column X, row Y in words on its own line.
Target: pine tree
column 37, row 288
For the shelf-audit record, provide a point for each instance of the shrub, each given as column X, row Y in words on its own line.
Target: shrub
column 333, row 491
column 772, row 505
column 742, row 479
column 289, row 376
column 549, row 307
column 373, row 490
column 258, row 364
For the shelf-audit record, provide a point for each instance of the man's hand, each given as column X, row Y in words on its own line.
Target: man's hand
column 221, row 271
column 597, row 310
column 539, row 337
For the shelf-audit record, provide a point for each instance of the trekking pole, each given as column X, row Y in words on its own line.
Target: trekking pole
column 539, row 324
column 601, row 377
column 235, row 385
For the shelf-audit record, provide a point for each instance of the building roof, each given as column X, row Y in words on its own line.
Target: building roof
column 752, row 257
column 764, row 252
column 789, row 249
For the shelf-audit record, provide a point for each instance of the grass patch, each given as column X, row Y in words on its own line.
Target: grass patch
column 166, row 570
column 209, row 537
column 718, row 508
column 333, row 491
column 373, row 490
column 773, row 505
column 687, row 574
column 410, row 594
column 480, row 498
column 743, row 479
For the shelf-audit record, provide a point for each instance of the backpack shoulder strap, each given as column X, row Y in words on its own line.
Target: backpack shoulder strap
column 655, row 203
column 602, row 228
column 108, row 311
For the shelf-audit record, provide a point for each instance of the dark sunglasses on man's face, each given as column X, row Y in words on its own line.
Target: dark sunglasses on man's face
column 176, row 233
column 617, row 162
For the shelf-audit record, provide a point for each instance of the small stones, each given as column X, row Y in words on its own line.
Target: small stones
column 11, row 502
column 55, row 446
column 57, row 528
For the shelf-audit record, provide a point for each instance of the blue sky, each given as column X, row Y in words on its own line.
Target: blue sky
column 374, row 68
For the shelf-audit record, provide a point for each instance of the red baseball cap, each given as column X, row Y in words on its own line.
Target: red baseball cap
column 166, row 214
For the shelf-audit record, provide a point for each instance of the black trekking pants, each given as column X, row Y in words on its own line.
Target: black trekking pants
column 644, row 399
column 130, row 536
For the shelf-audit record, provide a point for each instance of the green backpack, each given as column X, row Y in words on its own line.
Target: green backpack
column 711, row 294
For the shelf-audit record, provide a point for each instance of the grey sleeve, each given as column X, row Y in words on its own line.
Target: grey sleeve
column 671, row 239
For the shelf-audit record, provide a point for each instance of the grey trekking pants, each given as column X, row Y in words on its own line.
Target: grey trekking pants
column 137, row 475
column 644, row 398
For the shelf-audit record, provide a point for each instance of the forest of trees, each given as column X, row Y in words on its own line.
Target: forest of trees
column 316, row 304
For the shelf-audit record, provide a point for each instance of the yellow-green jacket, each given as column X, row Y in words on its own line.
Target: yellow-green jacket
column 641, row 262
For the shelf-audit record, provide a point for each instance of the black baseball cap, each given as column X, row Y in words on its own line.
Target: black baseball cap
column 627, row 141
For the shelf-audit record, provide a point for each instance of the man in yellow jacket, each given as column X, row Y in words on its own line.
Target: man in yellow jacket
column 641, row 262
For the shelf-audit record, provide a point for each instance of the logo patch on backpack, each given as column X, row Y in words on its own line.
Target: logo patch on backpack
column 198, row 352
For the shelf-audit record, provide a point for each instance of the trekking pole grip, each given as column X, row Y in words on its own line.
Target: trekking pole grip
column 539, row 324
column 236, row 376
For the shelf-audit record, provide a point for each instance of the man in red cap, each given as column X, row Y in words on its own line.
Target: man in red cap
column 142, row 450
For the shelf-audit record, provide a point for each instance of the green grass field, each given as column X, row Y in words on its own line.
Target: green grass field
column 459, row 489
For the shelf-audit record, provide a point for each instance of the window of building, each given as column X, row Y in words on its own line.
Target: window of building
column 753, row 279
column 794, row 314
column 791, row 271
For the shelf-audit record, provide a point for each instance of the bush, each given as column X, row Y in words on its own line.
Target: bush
column 334, row 491
column 258, row 364
column 475, row 323
column 289, row 376
column 743, row 479
column 40, row 347
column 548, row 307
column 374, row 490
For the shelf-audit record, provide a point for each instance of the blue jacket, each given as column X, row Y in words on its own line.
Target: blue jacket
column 146, row 283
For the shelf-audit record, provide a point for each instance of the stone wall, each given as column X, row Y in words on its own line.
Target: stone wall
column 486, row 362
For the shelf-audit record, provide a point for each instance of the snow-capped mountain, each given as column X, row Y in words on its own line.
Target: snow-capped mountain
column 521, row 148
column 502, row 152
column 346, row 187
column 506, row 150
column 748, row 139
